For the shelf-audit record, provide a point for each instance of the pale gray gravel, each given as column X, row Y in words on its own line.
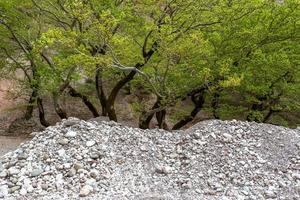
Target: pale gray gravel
column 212, row 160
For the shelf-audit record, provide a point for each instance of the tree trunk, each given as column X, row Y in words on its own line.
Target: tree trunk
column 42, row 112
column 100, row 91
column 198, row 100
column 110, row 106
column 215, row 103
column 60, row 112
column 146, row 117
column 161, row 119
column 85, row 100
column 30, row 106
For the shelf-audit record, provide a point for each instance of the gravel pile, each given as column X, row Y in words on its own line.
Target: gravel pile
column 212, row 160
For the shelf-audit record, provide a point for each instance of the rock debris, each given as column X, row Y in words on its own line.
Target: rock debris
column 105, row 160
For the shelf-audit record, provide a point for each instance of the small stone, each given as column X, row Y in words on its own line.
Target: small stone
column 36, row 172
column 13, row 171
column 71, row 134
column 144, row 148
column 296, row 176
column 213, row 135
column 63, row 141
column 70, row 122
column 3, row 174
column 67, row 165
column 61, row 152
column 14, row 189
column 3, row 191
column 227, row 137
column 197, row 135
column 85, row 190
column 163, row 169
column 78, row 166
column 78, row 157
column 94, row 173
column 187, row 185
column 44, row 186
column 270, row 194
column 23, row 191
column 94, row 155
column 90, row 143
column 71, row 172
column 1, row 167
column 22, row 156
column 14, row 180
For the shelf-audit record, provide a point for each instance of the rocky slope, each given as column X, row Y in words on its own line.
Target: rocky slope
column 105, row 160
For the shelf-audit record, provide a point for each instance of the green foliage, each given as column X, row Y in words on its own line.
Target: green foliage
column 175, row 47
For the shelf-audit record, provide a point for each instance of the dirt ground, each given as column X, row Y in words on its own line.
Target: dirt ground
column 7, row 115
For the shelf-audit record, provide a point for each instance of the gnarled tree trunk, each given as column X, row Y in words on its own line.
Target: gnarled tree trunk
column 30, row 106
column 42, row 112
column 198, row 99
column 100, row 91
column 215, row 102
column 85, row 100
column 60, row 112
column 146, row 117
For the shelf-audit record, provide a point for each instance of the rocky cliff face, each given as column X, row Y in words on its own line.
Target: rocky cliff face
column 105, row 160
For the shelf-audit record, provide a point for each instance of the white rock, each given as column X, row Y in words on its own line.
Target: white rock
column 23, row 191
column 13, row 171
column 164, row 169
column 85, row 190
column 3, row 174
column 71, row 134
column 3, row 191
column 61, row 152
column 296, row 176
column 63, row 141
column 90, row 143
column 227, row 137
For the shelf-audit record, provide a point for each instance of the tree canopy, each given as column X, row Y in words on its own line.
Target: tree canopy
column 234, row 58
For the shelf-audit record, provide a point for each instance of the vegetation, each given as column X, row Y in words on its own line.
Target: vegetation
column 223, row 55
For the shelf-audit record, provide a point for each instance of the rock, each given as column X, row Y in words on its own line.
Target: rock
column 94, row 173
column 3, row 191
column 44, row 186
column 61, row 152
column 78, row 166
column 296, row 176
column 13, row 171
column 14, row 189
column 71, row 172
column 227, row 137
column 163, row 169
column 71, row 134
column 108, row 160
column 70, row 122
column 270, row 194
column 22, row 156
column 90, row 143
column 197, row 135
column 1, row 167
column 36, row 172
column 94, row 155
column 85, row 190
column 3, row 174
column 23, row 191
column 63, row 141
